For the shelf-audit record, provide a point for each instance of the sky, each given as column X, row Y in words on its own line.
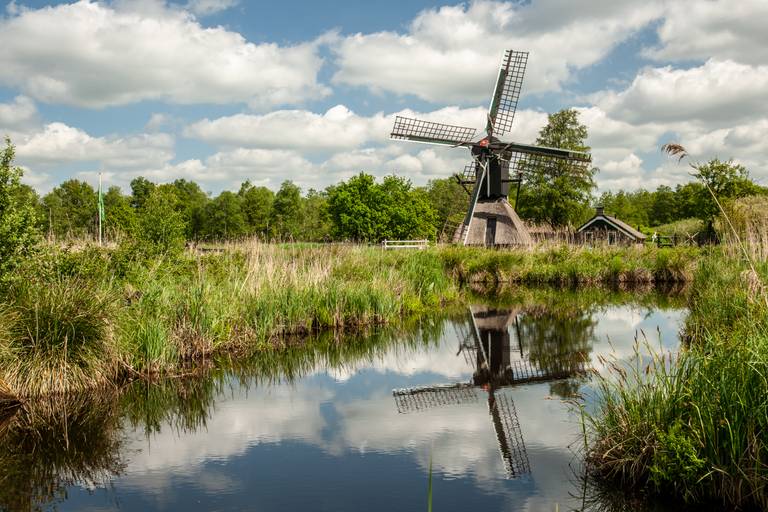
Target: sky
column 223, row 91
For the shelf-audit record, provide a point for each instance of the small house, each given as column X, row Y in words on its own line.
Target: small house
column 604, row 228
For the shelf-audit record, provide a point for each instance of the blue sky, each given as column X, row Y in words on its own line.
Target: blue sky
column 220, row 91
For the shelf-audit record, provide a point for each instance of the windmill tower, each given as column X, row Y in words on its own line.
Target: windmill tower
column 486, row 346
column 490, row 219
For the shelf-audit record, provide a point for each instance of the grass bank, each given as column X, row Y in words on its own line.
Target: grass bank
column 75, row 320
column 695, row 425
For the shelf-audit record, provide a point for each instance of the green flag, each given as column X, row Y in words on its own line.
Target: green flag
column 101, row 208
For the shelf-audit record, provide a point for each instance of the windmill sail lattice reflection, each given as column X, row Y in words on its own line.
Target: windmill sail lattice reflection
column 487, row 346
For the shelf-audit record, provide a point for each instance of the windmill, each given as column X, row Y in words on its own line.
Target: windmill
column 486, row 345
column 490, row 219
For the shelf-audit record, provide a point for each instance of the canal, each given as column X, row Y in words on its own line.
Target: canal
column 482, row 398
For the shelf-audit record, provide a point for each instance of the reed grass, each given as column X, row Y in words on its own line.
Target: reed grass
column 693, row 425
column 77, row 319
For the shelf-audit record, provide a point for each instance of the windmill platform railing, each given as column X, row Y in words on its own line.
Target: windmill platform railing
column 405, row 244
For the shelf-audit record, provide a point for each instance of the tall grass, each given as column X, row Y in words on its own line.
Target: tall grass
column 57, row 336
column 82, row 318
column 694, row 426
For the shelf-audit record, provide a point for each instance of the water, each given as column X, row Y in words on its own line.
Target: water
column 321, row 429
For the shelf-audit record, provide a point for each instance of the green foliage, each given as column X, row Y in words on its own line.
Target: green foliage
column 71, row 210
column 18, row 235
column 694, row 425
column 56, row 336
column 447, row 198
column 120, row 217
column 286, row 216
column 256, row 206
column 141, row 189
column 224, row 216
column 558, row 195
column 364, row 210
column 160, row 227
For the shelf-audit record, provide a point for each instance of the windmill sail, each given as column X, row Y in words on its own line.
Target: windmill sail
column 417, row 130
column 507, row 92
column 421, row 399
column 509, row 435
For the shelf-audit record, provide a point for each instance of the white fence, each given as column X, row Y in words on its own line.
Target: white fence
column 405, row 244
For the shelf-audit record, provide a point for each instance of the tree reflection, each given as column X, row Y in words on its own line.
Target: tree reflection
column 51, row 444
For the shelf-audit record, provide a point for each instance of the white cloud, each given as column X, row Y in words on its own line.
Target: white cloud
column 336, row 129
column 58, row 143
column 93, row 55
column 18, row 114
column 452, row 54
column 718, row 92
column 208, row 7
column 722, row 29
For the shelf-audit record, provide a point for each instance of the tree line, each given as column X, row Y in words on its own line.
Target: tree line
column 366, row 210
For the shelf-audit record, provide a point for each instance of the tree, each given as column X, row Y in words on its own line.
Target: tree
column 18, row 234
column 725, row 180
column 317, row 223
column 224, row 218
column 558, row 194
column 286, row 211
column 161, row 227
column 662, row 206
column 257, row 208
column 71, row 208
column 119, row 215
column 141, row 189
column 362, row 210
column 191, row 204
column 448, row 199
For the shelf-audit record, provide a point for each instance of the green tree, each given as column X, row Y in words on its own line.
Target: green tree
column 224, row 218
column 448, row 199
column 726, row 180
column 141, row 189
column 558, row 194
column 192, row 202
column 161, row 227
column 362, row 210
column 18, row 233
column 316, row 226
column 71, row 209
column 286, row 214
column 119, row 215
column 257, row 207
column 662, row 206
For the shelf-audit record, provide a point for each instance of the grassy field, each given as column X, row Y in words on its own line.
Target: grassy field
column 79, row 319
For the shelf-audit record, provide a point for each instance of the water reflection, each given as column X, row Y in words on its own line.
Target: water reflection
column 311, row 426
column 486, row 343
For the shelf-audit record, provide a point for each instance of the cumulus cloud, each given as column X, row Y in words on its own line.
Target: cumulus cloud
column 452, row 54
column 208, row 7
column 17, row 114
column 717, row 91
column 720, row 29
column 337, row 128
column 58, row 143
column 90, row 54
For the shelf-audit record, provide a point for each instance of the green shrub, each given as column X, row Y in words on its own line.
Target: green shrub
column 57, row 336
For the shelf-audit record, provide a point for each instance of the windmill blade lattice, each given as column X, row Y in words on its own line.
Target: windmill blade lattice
column 417, row 130
column 509, row 435
column 421, row 399
column 507, row 92
column 559, row 162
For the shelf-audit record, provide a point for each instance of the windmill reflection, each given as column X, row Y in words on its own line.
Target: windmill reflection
column 486, row 343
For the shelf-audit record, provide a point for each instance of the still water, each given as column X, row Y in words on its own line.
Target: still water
column 479, row 395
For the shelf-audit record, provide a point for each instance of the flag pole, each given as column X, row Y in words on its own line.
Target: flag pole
column 101, row 209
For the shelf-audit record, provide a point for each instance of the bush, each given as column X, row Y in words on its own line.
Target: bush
column 18, row 234
column 57, row 336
